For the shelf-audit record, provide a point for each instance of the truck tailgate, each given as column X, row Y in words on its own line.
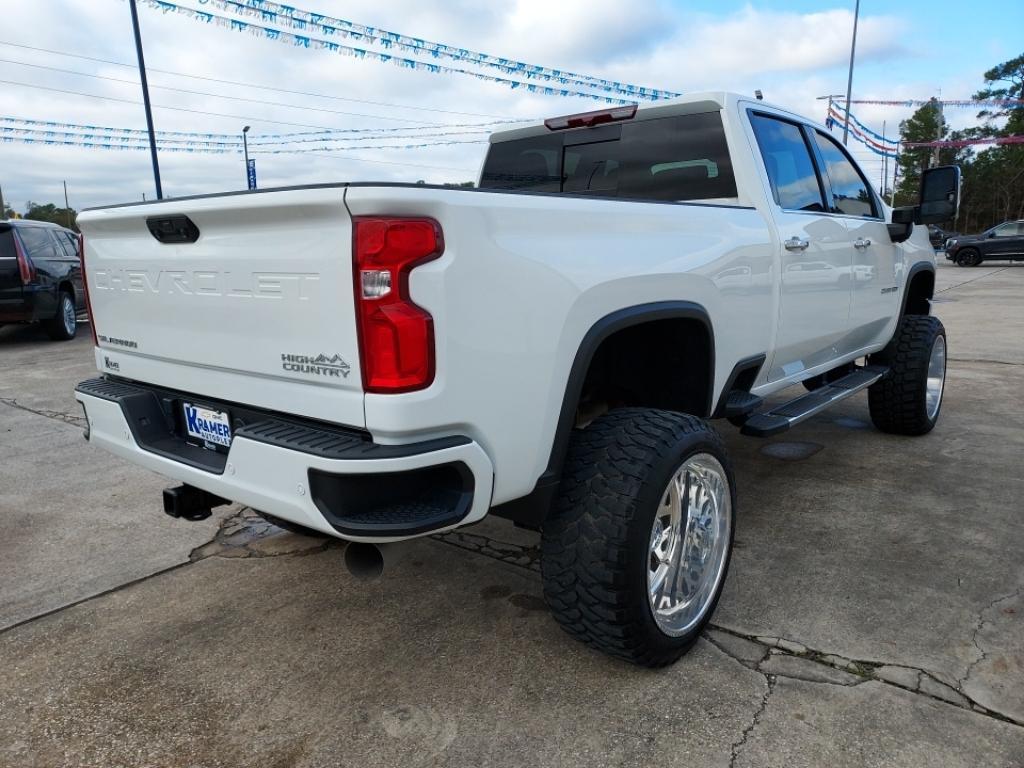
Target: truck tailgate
column 259, row 309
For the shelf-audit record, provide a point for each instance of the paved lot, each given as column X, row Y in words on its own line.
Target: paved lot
column 873, row 614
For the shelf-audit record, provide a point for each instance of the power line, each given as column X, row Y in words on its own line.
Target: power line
column 221, row 96
column 132, row 142
column 186, row 150
column 161, row 106
column 325, row 135
column 261, row 87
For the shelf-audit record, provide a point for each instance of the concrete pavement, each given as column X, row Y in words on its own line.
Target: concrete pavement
column 872, row 614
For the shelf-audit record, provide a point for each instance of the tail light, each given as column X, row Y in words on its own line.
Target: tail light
column 85, row 286
column 396, row 337
column 25, row 265
column 590, row 119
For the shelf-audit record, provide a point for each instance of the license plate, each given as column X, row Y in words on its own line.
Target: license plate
column 213, row 428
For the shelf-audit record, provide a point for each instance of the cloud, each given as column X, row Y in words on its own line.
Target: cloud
column 791, row 56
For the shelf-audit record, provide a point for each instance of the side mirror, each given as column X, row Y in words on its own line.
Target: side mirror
column 902, row 223
column 940, row 195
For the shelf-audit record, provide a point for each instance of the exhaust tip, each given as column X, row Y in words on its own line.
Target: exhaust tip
column 364, row 561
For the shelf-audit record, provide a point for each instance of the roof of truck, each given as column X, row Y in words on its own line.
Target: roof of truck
column 692, row 103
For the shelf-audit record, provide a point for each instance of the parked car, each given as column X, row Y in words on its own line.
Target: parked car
column 384, row 361
column 1003, row 242
column 40, row 276
column 937, row 236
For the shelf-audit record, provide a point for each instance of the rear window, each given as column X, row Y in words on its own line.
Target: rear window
column 7, row 250
column 672, row 158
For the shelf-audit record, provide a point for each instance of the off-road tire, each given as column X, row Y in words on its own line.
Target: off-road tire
column 898, row 400
column 968, row 257
column 595, row 545
column 56, row 326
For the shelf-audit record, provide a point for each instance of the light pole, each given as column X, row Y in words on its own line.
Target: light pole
column 245, row 146
column 145, row 99
column 849, row 79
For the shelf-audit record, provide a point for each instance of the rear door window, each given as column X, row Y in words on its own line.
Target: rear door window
column 787, row 159
column 673, row 158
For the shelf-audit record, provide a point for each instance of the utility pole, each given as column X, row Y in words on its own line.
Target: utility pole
column 2, row 206
column 145, row 99
column 831, row 100
column 885, row 163
column 67, row 208
column 250, row 175
column 849, row 79
column 895, row 175
column 939, row 124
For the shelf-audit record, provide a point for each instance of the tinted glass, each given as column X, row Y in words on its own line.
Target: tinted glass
column 592, row 168
column 1010, row 229
column 788, row 162
column 10, row 274
column 37, row 242
column 69, row 246
column 7, row 250
column 533, row 164
column 673, row 158
column 850, row 193
column 676, row 158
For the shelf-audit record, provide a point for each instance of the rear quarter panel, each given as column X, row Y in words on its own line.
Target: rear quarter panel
column 522, row 280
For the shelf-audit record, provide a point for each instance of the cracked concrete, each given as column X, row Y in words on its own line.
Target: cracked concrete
column 872, row 615
column 994, row 679
column 63, row 532
column 67, row 418
column 246, row 534
column 737, row 746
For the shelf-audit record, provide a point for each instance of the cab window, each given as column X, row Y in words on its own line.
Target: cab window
column 850, row 193
column 787, row 159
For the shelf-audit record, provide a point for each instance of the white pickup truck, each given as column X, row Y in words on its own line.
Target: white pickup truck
column 383, row 361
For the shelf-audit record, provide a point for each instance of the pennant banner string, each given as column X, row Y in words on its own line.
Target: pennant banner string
column 305, row 41
column 300, row 19
column 49, row 124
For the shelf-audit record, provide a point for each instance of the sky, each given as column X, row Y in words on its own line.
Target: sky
column 793, row 51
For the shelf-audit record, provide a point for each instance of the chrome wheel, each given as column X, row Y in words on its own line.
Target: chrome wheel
column 689, row 544
column 936, row 377
column 68, row 309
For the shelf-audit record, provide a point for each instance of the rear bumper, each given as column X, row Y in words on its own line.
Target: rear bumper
column 335, row 481
column 19, row 306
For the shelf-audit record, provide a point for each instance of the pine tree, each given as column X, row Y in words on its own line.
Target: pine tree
column 926, row 124
column 993, row 189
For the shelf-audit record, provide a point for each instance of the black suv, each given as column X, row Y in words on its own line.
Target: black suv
column 1004, row 241
column 40, row 276
column 938, row 236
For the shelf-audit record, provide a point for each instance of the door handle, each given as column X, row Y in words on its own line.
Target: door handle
column 861, row 242
column 796, row 243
